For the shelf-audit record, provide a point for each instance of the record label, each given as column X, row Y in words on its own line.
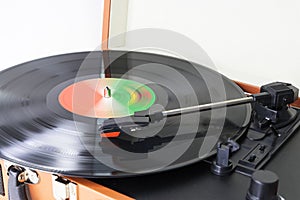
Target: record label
column 106, row 97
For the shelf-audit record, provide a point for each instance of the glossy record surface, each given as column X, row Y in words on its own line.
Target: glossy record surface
column 37, row 132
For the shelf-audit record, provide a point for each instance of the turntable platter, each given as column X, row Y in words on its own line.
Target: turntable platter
column 50, row 121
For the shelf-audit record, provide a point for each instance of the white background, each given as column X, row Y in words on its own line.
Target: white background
column 30, row 29
column 249, row 40
column 253, row 41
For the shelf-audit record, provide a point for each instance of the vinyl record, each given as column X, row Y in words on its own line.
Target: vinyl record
column 54, row 111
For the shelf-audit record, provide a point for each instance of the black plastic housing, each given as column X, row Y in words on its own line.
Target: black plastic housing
column 281, row 93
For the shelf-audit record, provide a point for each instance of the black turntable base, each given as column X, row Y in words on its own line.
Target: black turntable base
column 148, row 126
column 197, row 182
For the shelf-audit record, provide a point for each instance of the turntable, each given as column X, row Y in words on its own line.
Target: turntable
column 130, row 125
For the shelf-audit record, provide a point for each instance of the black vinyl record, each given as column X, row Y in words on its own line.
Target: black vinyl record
column 36, row 131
